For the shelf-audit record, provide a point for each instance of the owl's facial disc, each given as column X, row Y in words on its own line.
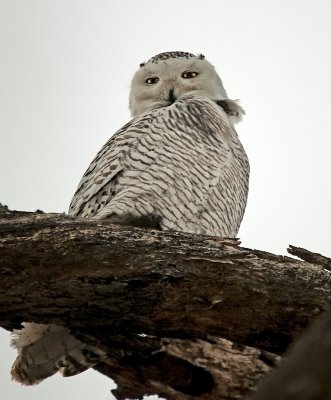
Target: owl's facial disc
column 166, row 77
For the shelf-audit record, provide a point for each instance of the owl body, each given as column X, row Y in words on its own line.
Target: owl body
column 177, row 165
column 170, row 165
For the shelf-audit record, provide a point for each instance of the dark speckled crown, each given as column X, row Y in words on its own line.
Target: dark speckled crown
column 172, row 54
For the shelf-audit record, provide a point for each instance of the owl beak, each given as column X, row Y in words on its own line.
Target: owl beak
column 172, row 98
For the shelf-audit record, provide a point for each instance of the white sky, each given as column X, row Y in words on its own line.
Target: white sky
column 65, row 70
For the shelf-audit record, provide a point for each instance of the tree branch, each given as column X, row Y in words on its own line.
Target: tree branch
column 155, row 301
column 314, row 258
column 305, row 372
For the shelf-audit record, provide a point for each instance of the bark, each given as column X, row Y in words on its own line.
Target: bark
column 305, row 373
column 180, row 315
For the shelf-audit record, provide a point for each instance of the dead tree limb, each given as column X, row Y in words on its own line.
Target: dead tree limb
column 305, row 372
column 158, row 302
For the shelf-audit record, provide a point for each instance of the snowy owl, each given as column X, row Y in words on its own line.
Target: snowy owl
column 177, row 165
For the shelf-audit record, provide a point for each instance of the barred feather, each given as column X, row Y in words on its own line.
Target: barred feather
column 182, row 164
column 44, row 350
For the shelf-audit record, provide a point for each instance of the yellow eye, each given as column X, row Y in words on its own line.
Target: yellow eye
column 152, row 80
column 189, row 74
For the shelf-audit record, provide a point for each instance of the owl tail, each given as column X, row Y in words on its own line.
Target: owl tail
column 44, row 350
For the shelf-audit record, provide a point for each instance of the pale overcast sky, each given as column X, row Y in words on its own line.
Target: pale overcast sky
column 65, row 70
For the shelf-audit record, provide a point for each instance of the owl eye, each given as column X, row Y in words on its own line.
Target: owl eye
column 152, row 80
column 189, row 74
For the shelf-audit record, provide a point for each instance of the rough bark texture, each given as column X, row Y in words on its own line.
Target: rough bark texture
column 305, row 372
column 159, row 302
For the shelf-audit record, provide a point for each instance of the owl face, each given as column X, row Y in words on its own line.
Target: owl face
column 166, row 77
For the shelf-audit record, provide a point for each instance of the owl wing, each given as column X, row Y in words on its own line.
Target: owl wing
column 103, row 170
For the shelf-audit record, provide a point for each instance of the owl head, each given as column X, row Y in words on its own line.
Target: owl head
column 166, row 77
